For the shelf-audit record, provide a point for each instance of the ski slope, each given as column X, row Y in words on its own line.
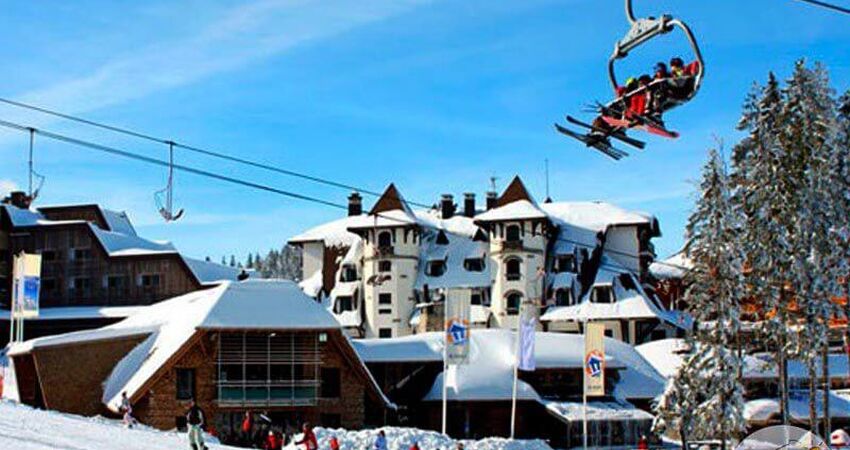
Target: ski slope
column 24, row 428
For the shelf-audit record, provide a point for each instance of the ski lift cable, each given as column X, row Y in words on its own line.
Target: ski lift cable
column 208, row 174
column 195, row 149
column 827, row 5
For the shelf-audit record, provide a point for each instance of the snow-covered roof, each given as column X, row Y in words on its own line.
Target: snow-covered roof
column 119, row 244
column 630, row 303
column 667, row 355
column 488, row 376
column 766, row 409
column 333, row 234
column 597, row 410
column 458, row 249
column 595, row 216
column 22, row 217
column 81, row 312
column 208, row 272
column 518, row 210
column 673, row 267
column 118, row 221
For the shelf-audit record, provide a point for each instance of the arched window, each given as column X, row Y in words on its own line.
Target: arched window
column 385, row 239
column 513, row 269
column 512, row 233
column 512, row 303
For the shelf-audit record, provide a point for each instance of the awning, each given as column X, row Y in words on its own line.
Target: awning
column 597, row 410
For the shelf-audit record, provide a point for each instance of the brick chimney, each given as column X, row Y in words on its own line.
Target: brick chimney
column 491, row 200
column 447, row 206
column 18, row 199
column 469, row 204
column 355, row 204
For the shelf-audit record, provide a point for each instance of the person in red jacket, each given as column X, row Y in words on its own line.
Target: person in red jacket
column 308, row 440
column 273, row 442
column 247, row 427
column 334, row 443
column 415, row 446
column 643, row 444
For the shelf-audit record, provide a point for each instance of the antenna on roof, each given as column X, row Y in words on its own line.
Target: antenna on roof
column 548, row 198
column 493, row 179
column 33, row 192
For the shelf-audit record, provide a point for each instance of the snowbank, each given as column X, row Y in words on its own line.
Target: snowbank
column 403, row 438
column 25, row 428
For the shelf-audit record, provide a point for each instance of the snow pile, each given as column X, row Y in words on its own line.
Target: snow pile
column 210, row 272
column 673, row 267
column 312, row 285
column 25, row 428
column 403, row 438
column 520, row 209
column 595, row 216
column 333, row 234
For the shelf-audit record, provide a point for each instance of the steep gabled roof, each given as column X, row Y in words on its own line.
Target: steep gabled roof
column 391, row 210
column 515, row 203
column 516, row 190
column 390, row 200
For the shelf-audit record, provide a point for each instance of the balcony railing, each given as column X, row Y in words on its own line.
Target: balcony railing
column 512, row 245
column 513, row 276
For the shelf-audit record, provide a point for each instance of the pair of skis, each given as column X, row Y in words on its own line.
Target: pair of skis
column 597, row 138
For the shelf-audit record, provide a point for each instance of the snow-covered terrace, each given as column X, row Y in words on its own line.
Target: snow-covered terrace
column 489, row 372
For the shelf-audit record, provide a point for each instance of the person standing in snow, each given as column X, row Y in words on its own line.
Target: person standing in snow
column 247, row 426
column 309, row 438
column 415, row 446
column 642, row 443
column 126, row 410
column 195, row 420
column 381, row 441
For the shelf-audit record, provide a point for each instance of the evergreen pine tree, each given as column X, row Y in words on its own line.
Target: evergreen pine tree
column 706, row 388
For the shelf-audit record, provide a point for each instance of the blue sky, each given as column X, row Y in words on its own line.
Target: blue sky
column 435, row 96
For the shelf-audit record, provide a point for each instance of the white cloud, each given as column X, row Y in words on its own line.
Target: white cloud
column 241, row 35
column 7, row 186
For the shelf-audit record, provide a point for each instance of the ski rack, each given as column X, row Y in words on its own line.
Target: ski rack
column 644, row 29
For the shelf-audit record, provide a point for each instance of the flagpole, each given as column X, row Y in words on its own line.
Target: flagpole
column 445, row 358
column 516, row 373
column 584, row 392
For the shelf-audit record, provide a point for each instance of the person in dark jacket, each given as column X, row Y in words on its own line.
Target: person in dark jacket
column 195, row 420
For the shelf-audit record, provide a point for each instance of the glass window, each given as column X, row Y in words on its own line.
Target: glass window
column 476, row 298
column 513, row 269
column 116, row 282
column 385, row 239
column 385, row 298
column 385, row 266
column 185, row 384
column 343, row 303
column 602, row 294
column 565, row 263
column 512, row 303
column 385, row 333
column 564, row 297
column 348, row 273
column 82, row 254
column 435, row 268
column 474, row 264
column 150, row 280
column 512, row 233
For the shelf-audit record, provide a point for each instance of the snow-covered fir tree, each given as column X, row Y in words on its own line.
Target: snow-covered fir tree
column 807, row 140
column 707, row 386
column 760, row 189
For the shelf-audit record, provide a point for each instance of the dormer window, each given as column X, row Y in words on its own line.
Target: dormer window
column 512, row 233
column 344, row 303
column 564, row 297
column 512, row 303
column 602, row 294
column 474, row 264
column 348, row 273
column 565, row 263
column 435, row 268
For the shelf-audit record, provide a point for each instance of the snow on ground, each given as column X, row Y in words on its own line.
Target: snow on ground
column 25, row 428
column 403, row 438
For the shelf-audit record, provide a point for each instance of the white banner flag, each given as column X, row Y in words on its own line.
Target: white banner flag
column 457, row 328
column 527, row 327
column 594, row 360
